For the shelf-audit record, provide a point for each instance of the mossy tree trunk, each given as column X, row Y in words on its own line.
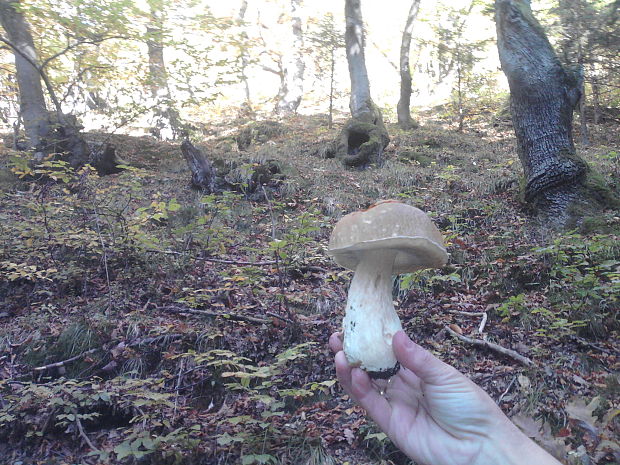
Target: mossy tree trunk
column 559, row 185
column 402, row 109
column 32, row 100
column 363, row 138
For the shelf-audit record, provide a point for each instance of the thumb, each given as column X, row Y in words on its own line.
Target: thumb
column 421, row 362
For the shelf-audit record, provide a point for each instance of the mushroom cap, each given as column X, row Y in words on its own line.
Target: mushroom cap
column 389, row 224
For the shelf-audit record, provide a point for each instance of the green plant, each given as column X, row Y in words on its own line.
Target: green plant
column 264, row 385
column 69, row 407
column 514, row 306
column 584, row 280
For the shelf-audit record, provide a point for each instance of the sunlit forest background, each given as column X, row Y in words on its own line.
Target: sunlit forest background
column 168, row 299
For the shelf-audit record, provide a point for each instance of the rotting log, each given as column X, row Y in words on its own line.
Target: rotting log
column 104, row 159
column 203, row 172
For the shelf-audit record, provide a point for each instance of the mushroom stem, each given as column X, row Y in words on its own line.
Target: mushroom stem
column 370, row 320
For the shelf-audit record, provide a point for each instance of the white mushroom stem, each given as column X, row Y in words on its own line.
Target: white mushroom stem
column 370, row 320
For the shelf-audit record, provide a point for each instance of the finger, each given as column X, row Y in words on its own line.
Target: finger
column 367, row 396
column 420, row 361
column 343, row 371
column 335, row 342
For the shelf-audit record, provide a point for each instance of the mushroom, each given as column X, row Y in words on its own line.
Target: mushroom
column 388, row 238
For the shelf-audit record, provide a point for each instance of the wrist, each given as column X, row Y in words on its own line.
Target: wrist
column 509, row 446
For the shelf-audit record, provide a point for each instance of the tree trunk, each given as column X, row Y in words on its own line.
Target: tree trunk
column 364, row 137
column 596, row 97
column 32, row 100
column 559, row 185
column 360, row 102
column 332, row 73
column 47, row 132
column 165, row 124
column 203, row 172
column 292, row 84
column 402, row 109
column 245, row 61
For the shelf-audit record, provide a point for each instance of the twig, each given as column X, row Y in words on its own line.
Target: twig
column 176, row 396
column 233, row 316
column 273, row 218
column 275, row 315
column 19, row 344
column 483, row 322
column 105, row 260
column 460, row 312
column 217, row 260
column 237, row 262
column 64, row 362
column 154, row 339
column 310, row 268
column 591, row 344
column 82, row 433
column 507, row 390
column 490, row 345
column 42, row 73
column 94, row 41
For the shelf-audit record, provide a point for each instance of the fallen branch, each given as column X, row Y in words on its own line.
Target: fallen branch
column 310, row 268
column 490, row 345
column 232, row 316
column 460, row 312
column 83, row 434
column 65, row 362
column 581, row 340
column 216, row 260
column 279, row 317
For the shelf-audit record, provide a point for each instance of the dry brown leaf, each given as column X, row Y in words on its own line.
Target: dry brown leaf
column 456, row 328
column 577, row 409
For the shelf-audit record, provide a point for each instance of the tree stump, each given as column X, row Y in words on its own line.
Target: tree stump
column 203, row 172
column 362, row 140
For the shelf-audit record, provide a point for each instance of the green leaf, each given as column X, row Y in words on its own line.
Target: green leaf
column 258, row 458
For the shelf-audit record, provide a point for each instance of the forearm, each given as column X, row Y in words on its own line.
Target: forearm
column 509, row 446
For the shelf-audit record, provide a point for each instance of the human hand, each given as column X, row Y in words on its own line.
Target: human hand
column 434, row 413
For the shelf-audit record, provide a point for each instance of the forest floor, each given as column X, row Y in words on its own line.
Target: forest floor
column 144, row 322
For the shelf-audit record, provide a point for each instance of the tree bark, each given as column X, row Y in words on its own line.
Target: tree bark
column 402, row 109
column 245, row 61
column 559, row 185
column 292, row 84
column 32, row 100
column 360, row 102
column 364, row 137
column 165, row 125
column 203, row 172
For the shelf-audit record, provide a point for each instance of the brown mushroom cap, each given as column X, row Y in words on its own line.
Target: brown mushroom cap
column 389, row 224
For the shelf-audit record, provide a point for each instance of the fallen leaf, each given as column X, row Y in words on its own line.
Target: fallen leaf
column 456, row 328
column 349, row 435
